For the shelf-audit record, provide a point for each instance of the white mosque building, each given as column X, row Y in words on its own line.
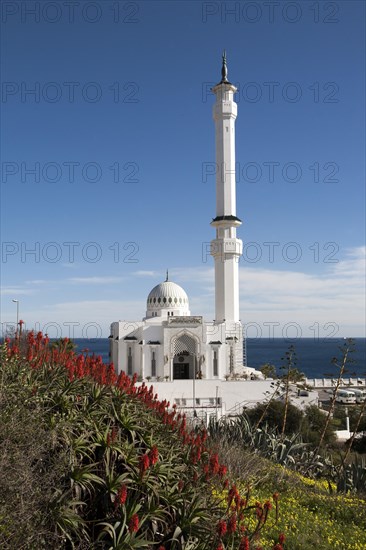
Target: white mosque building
column 173, row 348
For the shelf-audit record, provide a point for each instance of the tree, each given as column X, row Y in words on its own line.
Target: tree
column 313, row 425
column 274, row 416
column 350, row 443
column 296, row 376
column 341, row 364
column 355, row 415
column 357, row 444
column 268, row 370
column 271, row 396
column 292, row 374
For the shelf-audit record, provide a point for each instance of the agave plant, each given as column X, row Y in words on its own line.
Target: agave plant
column 229, row 429
column 352, row 477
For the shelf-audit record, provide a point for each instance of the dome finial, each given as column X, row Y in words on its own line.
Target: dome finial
column 167, row 276
column 224, row 68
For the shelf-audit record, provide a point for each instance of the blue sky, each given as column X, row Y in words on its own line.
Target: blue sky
column 119, row 135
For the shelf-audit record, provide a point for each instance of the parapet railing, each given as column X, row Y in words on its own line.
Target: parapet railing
column 198, row 402
column 330, row 382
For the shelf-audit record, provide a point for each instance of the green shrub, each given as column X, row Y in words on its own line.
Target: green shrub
column 275, row 414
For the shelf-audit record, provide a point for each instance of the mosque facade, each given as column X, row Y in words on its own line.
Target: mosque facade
column 170, row 343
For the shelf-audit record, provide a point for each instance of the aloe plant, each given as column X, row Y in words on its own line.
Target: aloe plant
column 132, row 474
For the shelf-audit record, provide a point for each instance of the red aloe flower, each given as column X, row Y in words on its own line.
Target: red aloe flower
column 281, row 538
column 221, row 528
column 144, row 463
column 214, row 464
column 259, row 511
column 133, row 524
column 231, row 526
column 232, row 493
column 14, row 350
column 268, row 505
column 153, row 455
column 243, row 503
column 244, row 544
column 114, row 434
column 121, row 496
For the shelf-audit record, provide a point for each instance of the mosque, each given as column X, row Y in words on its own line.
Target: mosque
column 171, row 345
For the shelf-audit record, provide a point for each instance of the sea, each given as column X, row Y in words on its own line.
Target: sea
column 313, row 356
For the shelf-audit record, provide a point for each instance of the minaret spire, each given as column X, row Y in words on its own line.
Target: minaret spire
column 224, row 68
column 167, row 276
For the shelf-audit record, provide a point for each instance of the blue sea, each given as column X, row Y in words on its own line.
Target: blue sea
column 313, row 356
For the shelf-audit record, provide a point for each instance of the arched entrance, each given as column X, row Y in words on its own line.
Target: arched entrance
column 184, row 358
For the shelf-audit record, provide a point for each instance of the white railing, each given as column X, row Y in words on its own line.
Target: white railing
column 330, row 382
column 237, row 409
column 198, row 403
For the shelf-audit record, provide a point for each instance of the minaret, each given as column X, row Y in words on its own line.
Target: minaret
column 226, row 248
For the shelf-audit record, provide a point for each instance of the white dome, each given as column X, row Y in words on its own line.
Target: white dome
column 167, row 295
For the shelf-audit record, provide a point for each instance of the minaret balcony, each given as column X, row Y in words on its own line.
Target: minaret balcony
column 226, row 247
column 226, row 221
column 223, row 89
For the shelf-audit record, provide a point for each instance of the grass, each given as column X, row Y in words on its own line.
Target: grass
column 310, row 513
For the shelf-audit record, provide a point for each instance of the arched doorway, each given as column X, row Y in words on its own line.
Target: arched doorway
column 184, row 358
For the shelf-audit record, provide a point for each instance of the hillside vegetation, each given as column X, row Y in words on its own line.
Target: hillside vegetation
column 88, row 460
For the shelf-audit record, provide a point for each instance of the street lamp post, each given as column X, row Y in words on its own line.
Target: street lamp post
column 194, row 386
column 17, row 303
column 217, row 403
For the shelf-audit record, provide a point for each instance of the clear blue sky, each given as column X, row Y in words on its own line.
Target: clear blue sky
column 122, row 93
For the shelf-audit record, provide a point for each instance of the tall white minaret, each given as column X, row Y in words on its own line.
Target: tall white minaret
column 226, row 248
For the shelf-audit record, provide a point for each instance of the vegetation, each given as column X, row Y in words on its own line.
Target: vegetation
column 89, row 460
column 308, row 424
column 306, row 492
column 346, row 350
column 268, row 370
column 313, row 424
column 311, row 515
column 273, row 415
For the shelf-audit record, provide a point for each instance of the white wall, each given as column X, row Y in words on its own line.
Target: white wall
column 233, row 394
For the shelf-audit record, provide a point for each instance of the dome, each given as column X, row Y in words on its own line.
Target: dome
column 167, row 295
